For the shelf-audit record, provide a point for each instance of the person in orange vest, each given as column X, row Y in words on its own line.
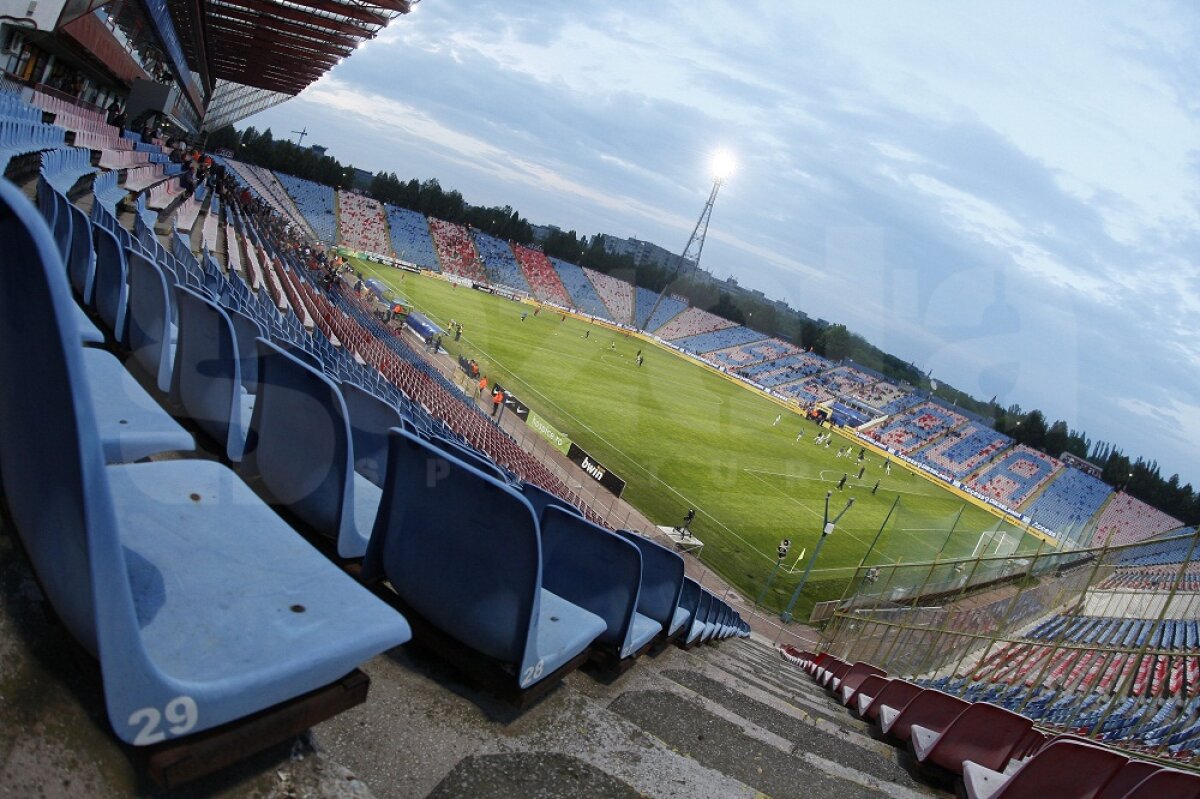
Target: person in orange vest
column 481, row 385
column 497, row 401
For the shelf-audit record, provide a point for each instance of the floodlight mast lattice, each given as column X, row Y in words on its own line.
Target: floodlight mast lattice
column 722, row 166
column 826, row 530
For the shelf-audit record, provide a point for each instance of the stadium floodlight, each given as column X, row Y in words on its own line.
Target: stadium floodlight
column 722, row 165
column 689, row 258
column 826, row 530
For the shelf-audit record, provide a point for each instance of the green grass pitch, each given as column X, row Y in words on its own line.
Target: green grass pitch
column 684, row 437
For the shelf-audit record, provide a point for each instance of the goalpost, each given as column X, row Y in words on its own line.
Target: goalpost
column 995, row 543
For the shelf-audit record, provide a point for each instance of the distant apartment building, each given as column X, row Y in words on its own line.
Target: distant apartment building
column 643, row 252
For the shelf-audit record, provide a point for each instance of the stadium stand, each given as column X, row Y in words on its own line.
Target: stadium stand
column 265, row 185
column 670, row 307
column 582, row 293
column 1015, row 476
column 916, row 427
column 704, row 343
column 361, row 224
column 741, row 356
column 885, row 397
column 1070, row 501
column 785, row 370
column 315, row 202
column 144, row 637
column 410, row 237
column 500, row 263
column 1126, row 519
column 617, row 295
column 691, row 322
column 541, row 276
column 963, row 450
column 456, row 250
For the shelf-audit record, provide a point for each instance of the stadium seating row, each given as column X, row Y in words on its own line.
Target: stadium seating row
column 410, row 237
column 456, row 250
column 315, row 202
column 691, row 322
column 617, row 295
column 582, row 293
column 987, row 750
column 916, row 427
column 1126, row 519
column 541, row 276
column 499, row 262
column 963, row 450
column 741, row 356
column 361, row 224
column 149, row 298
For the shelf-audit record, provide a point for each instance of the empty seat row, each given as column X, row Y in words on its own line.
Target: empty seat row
column 987, row 750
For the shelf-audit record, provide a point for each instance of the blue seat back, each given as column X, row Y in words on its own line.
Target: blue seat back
column 703, row 609
column 51, row 461
column 206, row 378
column 370, row 420
column 82, row 263
column 311, row 474
column 149, row 331
column 63, row 223
column 689, row 597
column 662, row 579
column 247, row 332
column 460, row 547
column 593, row 568
column 111, row 283
column 541, row 499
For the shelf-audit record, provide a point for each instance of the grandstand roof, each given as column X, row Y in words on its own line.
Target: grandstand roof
column 276, row 45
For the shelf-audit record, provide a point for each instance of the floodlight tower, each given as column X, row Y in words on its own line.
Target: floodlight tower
column 722, row 168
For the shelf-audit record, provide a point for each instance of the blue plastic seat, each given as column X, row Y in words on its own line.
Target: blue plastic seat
column 111, row 285
column 206, row 381
column 463, row 550
column 201, row 605
column 540, row 499
column 699, row 618
column 371, row 417
column 151, row 332
column 312, row 474
column 81, row 265
column 662, row 583
column 689, row 600
column 600, row 571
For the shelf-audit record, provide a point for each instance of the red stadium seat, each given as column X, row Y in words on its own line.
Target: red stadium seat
column 983, row 733
column 1063, row 770
column 933, row 710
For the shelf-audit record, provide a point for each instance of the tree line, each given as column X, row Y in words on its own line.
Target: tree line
column 1139, row 477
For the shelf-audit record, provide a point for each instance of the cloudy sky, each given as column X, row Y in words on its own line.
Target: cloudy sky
column 1005, row 194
